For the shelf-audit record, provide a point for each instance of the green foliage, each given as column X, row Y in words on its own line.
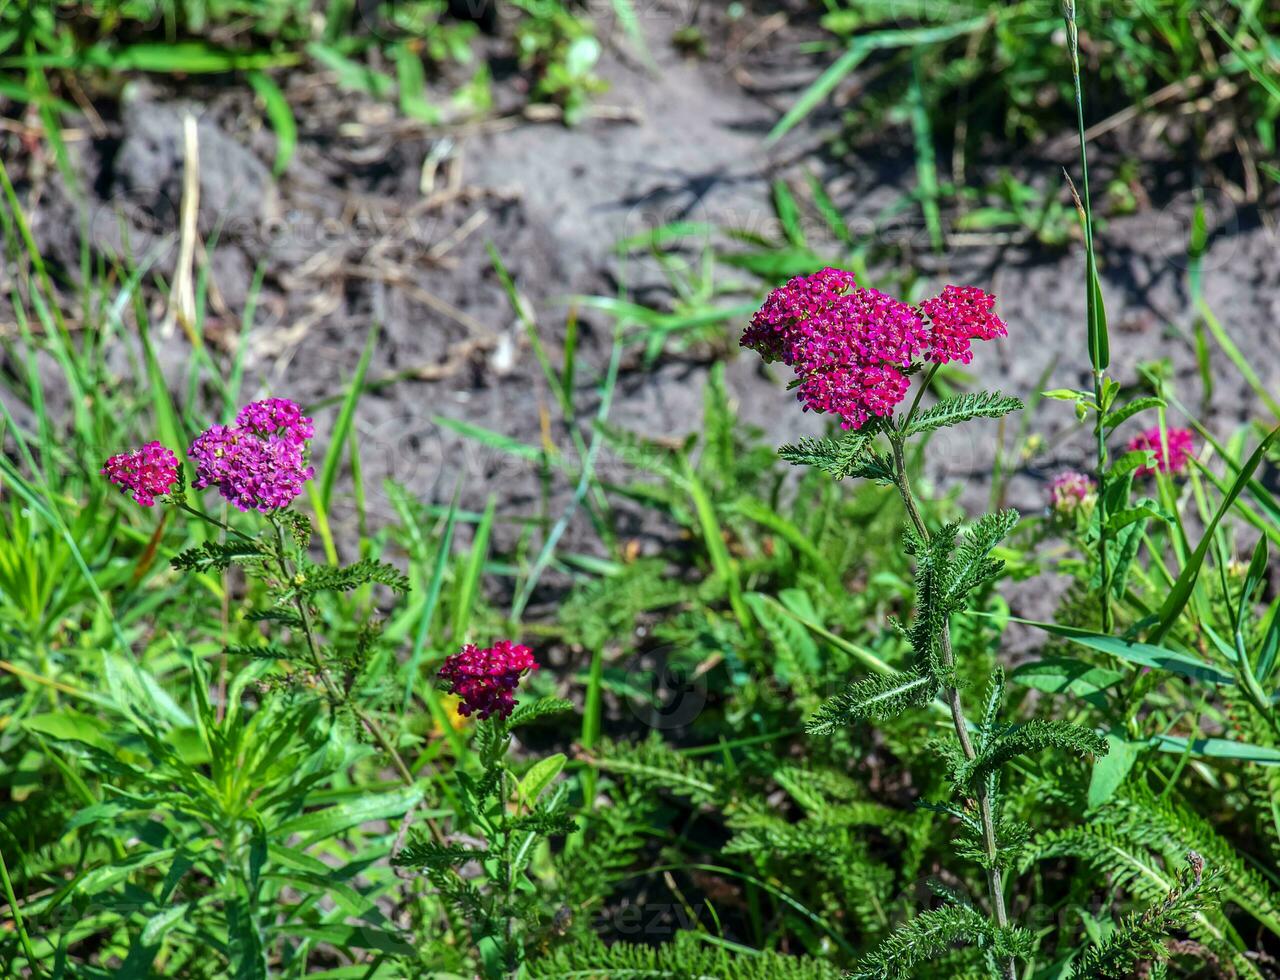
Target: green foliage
column 688, row 956
column 219, row 555
column 1007, row 743
column 312, row 578
column 412, row 53
column 961, row 408
column 876, row 698
column 244, row 769
column 932, row 933
column 511, row 815
column 960, row 71
column 1142, row 935
column 841, row 457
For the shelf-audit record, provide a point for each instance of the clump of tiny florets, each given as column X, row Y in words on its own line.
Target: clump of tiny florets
column 958, row 316
column 1070, row 491
column 852, row 348
column 276, row 416
column 486, row 680
column 776, row 326
column 1181, row 446
column 260, row 462
column 147, row 473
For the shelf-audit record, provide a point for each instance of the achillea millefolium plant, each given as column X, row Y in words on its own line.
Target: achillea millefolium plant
column 478, row 862
column 854, row 352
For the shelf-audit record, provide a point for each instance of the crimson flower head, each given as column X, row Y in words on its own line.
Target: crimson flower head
column 485, row 680
column 259, row 463
column 852, row 348
column 775, row 327
column 147, row 473
column 1181, row 446
column 958, row 316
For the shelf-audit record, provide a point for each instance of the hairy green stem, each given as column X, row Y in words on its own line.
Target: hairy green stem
column 304, row 617
column 995, row 882
column 183, row 505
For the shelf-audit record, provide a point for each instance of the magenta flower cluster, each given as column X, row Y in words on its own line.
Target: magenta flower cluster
column 1181, row 446
column 257, row 463
column 147, row 473
column 1069, row 490
column 851, row 347
column 486, row 680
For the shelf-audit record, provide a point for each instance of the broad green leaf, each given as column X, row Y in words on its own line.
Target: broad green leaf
column 1064, row 675
column 1219, row 748
column 67, row 724
column 1139, row 654
column 351, row 74
column 158, row 925
column 1113, row 769
column 1113, row 419
column 329, row 821
column 540, row 775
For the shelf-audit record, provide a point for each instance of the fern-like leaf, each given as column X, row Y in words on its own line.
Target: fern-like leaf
column 687, row 957
column 218, row 556
column 656, row 765
column 932, row 933
column 259, row 651
column 962, row 408
column 841, row 457
column 534, row 710
column 1025, row 739
column 328, row 578
column 1139, row 937
column 873, row 697
column 971, row 567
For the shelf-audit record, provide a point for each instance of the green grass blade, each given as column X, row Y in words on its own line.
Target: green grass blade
column 1181, row 591
column 469, row 586
column 1238, row 359
column 338, row 435
column 280, row 115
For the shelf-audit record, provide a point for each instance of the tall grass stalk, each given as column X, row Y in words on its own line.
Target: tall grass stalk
column 1099, row 347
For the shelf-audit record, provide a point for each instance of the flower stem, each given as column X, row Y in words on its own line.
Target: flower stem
column 924, row 386
column 183, row 505
column 1101, row 442
column 331, row 689
column 335, row 697
column 995, row 883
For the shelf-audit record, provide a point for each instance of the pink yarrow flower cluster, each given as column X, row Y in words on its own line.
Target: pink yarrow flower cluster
column 486, row 680
column 1069, row 490
column 851, row 347
column 147, row 473
column 1181, row 446
column 259, row 462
